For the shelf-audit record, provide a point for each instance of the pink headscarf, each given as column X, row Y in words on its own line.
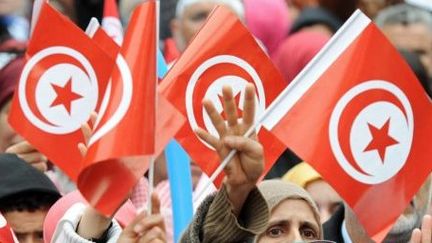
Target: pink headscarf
column 124, row 215
column 268, row 20
column 9, row 76
column 296, row 51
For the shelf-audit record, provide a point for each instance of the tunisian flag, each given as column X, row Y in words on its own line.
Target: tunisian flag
column 111, row 21
column 61, row 84
column 359, row 116
column 124, row 133
column 223, row 52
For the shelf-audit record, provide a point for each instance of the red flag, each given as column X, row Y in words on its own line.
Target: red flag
column 59, row 87
column 223, row 52
column 111, row 21
column 6, row 233
column 359, row 116
column 125, row 129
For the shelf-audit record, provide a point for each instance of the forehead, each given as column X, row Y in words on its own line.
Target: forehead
column 293, row 210
column 26, row 222
column 201, row 6
column 411, row 36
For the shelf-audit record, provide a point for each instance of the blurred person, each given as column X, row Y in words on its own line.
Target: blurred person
column 191, row 15
column 325, row 197
column 26, row 195
column 409, row 28
column 296, row 51
column 71, row 219
column 268, row 21
column 413, row 60
column 316, row 19
column 13, row 15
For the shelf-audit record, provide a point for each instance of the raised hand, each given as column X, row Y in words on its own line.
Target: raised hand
column 146, row 228
column 244, row 170
column 27, row 152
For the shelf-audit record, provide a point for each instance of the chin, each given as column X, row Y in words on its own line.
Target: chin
column 402, row 229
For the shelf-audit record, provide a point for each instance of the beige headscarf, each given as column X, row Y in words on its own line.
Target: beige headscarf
column 276, row 191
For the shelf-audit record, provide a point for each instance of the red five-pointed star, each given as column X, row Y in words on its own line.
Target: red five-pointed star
column 237, row 103
column 65, row 95
column 380, row 139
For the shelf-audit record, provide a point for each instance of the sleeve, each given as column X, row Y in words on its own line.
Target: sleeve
column 65, row 230
column 215, row 222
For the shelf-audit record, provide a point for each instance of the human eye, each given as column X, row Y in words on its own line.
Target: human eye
column 308, row 233
column 275, row 231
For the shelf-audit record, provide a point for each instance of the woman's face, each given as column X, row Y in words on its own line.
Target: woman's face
column 8, row 136
column 291, row 220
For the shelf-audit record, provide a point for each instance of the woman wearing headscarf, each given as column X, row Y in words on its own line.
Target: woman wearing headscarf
column 240, row 211
column 293, row 214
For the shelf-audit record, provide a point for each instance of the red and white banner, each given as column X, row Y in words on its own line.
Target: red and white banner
column 111, row 21
column 360, row 117
column 222, row 53
column 60, row 85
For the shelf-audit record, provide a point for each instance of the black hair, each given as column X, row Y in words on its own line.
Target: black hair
column 27, row 201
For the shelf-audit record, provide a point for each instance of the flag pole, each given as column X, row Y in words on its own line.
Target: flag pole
column 152, row 158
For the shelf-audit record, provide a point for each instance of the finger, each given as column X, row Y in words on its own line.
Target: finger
column 249, row 106
column 86, row 131
column 230, row 107
column 82, row 149
column 21, row 147
column 33, row 157
column 40, row 166
column 426, row 229
column 155, row 234
column 246, row 145
column 93, row 119
column 216, row 119
column 135, row 226
column 149, row 222
column 416, row 236
column 207, row 137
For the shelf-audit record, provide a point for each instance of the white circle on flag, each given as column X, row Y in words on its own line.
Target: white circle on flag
column 60, row 75
column 214, row 91
column 87, row 86
column 370, row 167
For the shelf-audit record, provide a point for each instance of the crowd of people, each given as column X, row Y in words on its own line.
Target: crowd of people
column 293, row 204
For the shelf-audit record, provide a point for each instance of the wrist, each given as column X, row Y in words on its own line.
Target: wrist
column 237, row 196
column 93, row 224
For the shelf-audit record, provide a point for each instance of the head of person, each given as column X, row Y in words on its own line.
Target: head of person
column 296, row 51
column 268, row 21
column 11, row 65
column 410, row 28
column 26, row 195
column 413, row 60
column 191, row 15
column 325, row 197
column 293, row 214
